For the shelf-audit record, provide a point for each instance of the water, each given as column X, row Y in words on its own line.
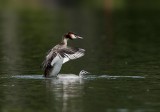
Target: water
column 91, row 93
column 122, row 56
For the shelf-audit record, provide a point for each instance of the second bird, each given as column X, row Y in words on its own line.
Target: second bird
column 60, row 54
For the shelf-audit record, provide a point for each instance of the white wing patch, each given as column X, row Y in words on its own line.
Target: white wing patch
column 65, row 60
column 56, row 59
column 76, row 55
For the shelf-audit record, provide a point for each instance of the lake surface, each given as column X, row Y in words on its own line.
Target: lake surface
column 122, row 55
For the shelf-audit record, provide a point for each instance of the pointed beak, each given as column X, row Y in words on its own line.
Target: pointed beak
column 79, row 37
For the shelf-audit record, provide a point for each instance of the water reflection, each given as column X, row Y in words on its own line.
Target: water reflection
column 10, row 45
column 67, row 93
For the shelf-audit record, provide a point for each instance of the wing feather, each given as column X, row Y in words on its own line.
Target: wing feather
column 55, row 54
column 47, row 67
column 71, row 53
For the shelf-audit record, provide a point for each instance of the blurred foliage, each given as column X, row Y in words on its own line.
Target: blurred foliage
column 81, row 4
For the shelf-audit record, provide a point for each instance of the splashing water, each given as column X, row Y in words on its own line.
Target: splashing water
column 82, row 74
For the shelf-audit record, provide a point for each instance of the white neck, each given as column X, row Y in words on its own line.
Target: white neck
column 64, row 41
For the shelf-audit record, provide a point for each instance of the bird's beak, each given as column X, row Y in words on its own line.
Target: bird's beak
column 79, row 37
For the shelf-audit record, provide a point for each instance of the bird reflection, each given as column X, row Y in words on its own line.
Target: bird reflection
column 65, row 93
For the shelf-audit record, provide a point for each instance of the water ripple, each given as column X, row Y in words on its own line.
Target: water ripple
column 74, row 76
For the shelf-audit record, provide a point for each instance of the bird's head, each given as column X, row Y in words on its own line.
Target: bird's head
column 71, row 35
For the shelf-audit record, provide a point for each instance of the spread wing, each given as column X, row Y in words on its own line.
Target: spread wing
column 71, row 53
column 65, row 53
column 55, row 54
column 47, row 62
column 47, row 67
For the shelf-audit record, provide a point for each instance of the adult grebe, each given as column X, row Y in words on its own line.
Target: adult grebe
column 60, row 54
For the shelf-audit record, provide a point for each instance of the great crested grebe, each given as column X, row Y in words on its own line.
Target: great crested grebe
column 60, row 54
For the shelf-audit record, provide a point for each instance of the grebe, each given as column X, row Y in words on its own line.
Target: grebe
column 60, row 54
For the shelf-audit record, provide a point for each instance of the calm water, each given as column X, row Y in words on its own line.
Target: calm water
column 122, row 55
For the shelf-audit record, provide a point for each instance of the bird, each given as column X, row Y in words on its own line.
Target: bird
column 60, row 54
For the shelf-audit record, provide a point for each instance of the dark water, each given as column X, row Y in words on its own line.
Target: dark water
column 122, row 55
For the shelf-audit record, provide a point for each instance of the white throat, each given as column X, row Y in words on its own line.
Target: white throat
column 64, row 41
